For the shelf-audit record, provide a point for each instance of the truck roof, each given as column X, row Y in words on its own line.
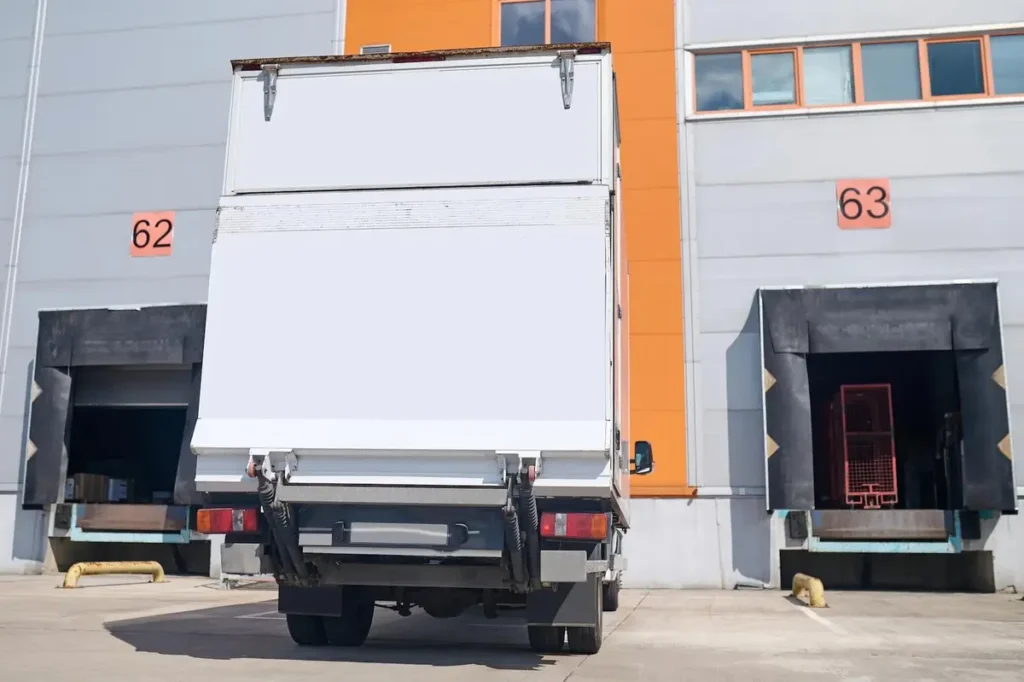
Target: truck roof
column 256, row 64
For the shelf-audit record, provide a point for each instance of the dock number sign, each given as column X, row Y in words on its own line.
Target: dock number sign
column 864, row 204
column 152, row 234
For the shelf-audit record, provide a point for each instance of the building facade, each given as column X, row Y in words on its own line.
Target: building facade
column 738, row 120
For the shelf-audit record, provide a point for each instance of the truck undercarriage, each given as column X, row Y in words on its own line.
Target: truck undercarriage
column 336, row 563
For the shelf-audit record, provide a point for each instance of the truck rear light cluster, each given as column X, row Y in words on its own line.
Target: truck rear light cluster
column 574, row 526
column 218, row 521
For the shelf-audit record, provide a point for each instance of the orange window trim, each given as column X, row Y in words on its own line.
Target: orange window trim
column 926, row 80
column 857, row 63
column 748, row 79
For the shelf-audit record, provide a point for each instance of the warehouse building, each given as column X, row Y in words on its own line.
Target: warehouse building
column 819, row 197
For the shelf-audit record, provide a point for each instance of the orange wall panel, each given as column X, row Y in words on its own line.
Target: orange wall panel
column 656, row 362
column 642, row 207
column 413, row 25
column 655, row 297
column 642, row 34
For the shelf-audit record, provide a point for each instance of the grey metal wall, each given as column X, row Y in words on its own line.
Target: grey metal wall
column 710, row 21
column 766, row 215
column 760, row 207
column 131, row 115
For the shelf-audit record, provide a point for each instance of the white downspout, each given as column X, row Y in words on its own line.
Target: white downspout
column 21, row 197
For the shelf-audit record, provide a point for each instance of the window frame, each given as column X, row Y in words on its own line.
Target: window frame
column 922, row 71
column 926, row 71
column 990, row 63
column 857, row 65
column 496, row 28
column 855, row 73
column 748, row 78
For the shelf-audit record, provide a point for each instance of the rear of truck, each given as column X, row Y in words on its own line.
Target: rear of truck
column 416, row 335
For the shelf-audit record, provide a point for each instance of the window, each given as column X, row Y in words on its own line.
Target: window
column 955, row 68
column 522, row 23
column 773, row 78
column 892, row 72
column 857, row 73
column 1008, row 64
column 828, row 75
column 542, row 22
column 573, row 21
column 719, row 81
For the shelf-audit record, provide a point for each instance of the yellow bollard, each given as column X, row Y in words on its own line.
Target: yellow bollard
column 113, row 568
column 814, row 589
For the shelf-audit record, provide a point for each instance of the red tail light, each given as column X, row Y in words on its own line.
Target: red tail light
column 574, row 526
column 218, row 521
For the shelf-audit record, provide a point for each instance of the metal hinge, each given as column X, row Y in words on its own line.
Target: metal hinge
column 566, row 73
column 269, row 77
column 620, row 312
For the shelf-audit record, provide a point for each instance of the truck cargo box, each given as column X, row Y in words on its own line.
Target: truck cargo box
column 405, row 337
column 445, row 119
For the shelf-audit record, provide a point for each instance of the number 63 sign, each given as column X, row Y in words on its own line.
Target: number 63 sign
column 864, row 204
column 152, row 234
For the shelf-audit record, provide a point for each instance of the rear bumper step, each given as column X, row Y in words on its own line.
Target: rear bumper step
column 392, row 495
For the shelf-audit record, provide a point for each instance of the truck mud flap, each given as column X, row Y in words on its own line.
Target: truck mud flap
column 567, row 604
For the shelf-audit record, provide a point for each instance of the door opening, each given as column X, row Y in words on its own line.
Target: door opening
column 135, row 448
column 900, row 440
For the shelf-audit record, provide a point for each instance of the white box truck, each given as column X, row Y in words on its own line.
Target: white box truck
column 416, row 338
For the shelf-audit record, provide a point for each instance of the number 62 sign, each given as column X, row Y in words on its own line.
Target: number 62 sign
column 152, row 234
column 864, row 204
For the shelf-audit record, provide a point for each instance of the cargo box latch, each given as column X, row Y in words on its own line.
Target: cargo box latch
column 268, row 74
column 566, row 73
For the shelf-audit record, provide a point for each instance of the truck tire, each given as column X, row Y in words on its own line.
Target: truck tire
column 352, row 627
column 546, row 639
column 588, row 640
column 306, row 630
column 611, row 594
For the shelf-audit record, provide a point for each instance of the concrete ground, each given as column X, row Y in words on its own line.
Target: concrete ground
column 188, row 629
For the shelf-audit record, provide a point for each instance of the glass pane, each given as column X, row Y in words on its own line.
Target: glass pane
column 891, row 72
column 719, row 81
column 573, row 21
column 955, row 68
column 1008, row 64
column 828, row 75
column 773, row 79
column 522, row 23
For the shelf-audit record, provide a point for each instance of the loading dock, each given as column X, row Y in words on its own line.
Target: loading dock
column 112, row 408
column 923, row 367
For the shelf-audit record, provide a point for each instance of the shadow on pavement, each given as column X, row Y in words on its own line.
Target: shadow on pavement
column 256, row 631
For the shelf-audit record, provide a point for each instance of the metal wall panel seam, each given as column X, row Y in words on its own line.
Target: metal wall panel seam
column 688, row 246
column 21, row 198
column 340, row 15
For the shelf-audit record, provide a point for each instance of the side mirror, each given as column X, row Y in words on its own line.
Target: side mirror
column 643, row 458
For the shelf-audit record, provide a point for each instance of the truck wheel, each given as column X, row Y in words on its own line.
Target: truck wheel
column 352, row 627
column 611, row 594
column 588, row 640
column 546, row 639
column 306, row 630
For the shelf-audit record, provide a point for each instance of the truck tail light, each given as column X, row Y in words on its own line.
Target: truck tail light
column 574, row 526
column 218, row 521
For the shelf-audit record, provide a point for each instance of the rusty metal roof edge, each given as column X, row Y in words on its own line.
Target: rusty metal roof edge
column 256, row 64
